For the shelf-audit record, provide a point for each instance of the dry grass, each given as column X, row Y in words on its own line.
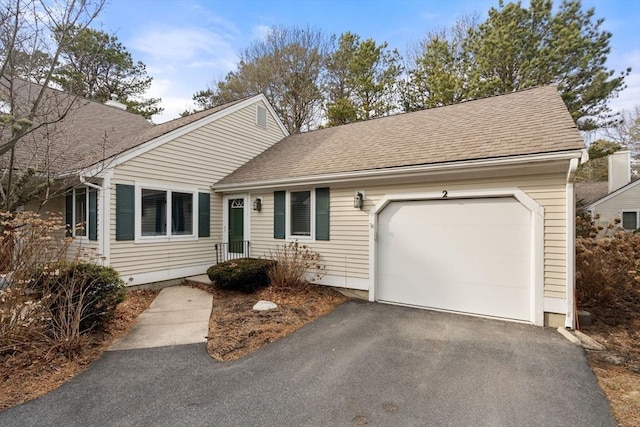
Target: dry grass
column 618, row 368
column 26, row 376
column 235, row 330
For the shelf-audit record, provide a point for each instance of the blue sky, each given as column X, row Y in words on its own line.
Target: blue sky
column 186, row 44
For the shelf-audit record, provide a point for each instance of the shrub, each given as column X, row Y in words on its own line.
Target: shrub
column 295, row 265
column 607, row 266
column 80, row 295
column 242, row 274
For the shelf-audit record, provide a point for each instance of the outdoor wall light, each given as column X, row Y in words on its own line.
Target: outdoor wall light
column 257, row 204
column 358, row 200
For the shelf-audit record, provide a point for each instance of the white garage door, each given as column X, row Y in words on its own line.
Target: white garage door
column 465, row 255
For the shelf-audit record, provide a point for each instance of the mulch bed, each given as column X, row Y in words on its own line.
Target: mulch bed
column 26, row 376
column 236, row 330
column 617, row 327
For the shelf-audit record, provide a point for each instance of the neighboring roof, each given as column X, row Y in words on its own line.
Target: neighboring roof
column 614, row 194
column 68, row 132
column 589, row 192
column 89, row 133
column 532, row 121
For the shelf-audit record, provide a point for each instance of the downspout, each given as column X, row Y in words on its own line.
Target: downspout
column 571, row 242
column 101, row 216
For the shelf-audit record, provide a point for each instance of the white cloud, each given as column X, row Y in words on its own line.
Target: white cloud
column 183, row 45
column 261, row 31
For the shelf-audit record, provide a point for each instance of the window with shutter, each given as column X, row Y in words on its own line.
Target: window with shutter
column 301, row 214
column 81, row 213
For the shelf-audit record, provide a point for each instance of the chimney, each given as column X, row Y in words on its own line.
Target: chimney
column 619, row 169
column 113, row 102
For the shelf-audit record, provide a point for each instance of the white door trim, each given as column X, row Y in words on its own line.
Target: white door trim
column 537, row 236
column 225, row 216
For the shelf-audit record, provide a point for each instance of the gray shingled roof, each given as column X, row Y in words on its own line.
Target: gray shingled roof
column 528, row 122
column 589, row 192
column 89, row 133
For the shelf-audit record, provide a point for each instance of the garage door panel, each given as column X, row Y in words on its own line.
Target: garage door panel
column 471, row 256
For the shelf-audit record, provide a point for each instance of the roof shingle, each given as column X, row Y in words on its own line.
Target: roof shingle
column 527, row 122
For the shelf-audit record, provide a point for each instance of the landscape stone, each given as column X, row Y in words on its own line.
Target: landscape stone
column 264, row 305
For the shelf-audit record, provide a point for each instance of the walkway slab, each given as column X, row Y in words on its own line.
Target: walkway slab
column 179, row 315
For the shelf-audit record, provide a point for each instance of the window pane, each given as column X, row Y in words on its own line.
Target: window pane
column 154, row 213
column 80, row 220
column 300, row 213
column 629, row 220
column 181, row 213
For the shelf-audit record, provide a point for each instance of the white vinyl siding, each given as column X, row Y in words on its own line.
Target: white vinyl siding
column 195, row 160
column 627, row 200
column 79, row 247
column 347, row 253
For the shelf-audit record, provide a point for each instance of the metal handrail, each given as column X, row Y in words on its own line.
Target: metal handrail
column 232, row 250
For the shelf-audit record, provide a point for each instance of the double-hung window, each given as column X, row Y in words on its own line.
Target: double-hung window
column 631, row 220
column 81, row 212
column 300, row 206
column 166, row 212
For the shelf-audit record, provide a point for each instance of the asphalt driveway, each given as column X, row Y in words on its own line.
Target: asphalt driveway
column 365, row 362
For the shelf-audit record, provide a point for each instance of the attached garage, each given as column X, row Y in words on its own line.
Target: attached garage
column 466, row 208
column 474, row 255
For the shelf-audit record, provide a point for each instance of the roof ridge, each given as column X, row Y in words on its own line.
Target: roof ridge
column 404, row 113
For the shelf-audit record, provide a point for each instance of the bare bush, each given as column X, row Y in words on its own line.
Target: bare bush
column 22, row 321
column 607, row 265
column 296, row 265
column 26, row 241
column 46, row 292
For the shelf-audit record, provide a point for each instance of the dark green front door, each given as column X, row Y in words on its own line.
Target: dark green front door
column 236, row 226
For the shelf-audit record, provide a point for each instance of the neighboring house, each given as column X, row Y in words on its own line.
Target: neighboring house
column 141, row 200
column 618, row 198
column 466, row 208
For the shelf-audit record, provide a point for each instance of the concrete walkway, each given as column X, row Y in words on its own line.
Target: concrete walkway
column 178, row 315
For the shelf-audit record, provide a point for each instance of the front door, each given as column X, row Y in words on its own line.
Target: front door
column 236, row 226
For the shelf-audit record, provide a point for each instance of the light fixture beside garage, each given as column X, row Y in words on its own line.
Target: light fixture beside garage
column 257, row 204
column 358, row 200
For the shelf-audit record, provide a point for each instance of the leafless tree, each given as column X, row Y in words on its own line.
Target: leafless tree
column 30, row 53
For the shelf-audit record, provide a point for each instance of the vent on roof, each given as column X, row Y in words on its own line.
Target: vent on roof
column 261, row 116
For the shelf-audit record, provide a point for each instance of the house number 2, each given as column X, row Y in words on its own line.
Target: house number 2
column 444, row 194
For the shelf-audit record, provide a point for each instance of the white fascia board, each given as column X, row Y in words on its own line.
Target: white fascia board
column 176, row 133
column 403, row 171
column 613, row 194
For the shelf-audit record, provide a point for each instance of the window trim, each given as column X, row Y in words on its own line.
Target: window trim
column 73, row 213
column 139, row 238
column 312, row 219
column 637, row 212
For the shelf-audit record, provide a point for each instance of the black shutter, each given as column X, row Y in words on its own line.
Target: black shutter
column 125, row 215
column 68, row 212
column 204, row 215
column 279, row 206
column 322, row 214
column 93, row 214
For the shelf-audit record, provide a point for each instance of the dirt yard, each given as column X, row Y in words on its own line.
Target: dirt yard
column 236, row 330
column 27, row 376
column 618, row 367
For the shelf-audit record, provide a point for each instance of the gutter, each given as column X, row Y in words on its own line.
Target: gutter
column 401, row 171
